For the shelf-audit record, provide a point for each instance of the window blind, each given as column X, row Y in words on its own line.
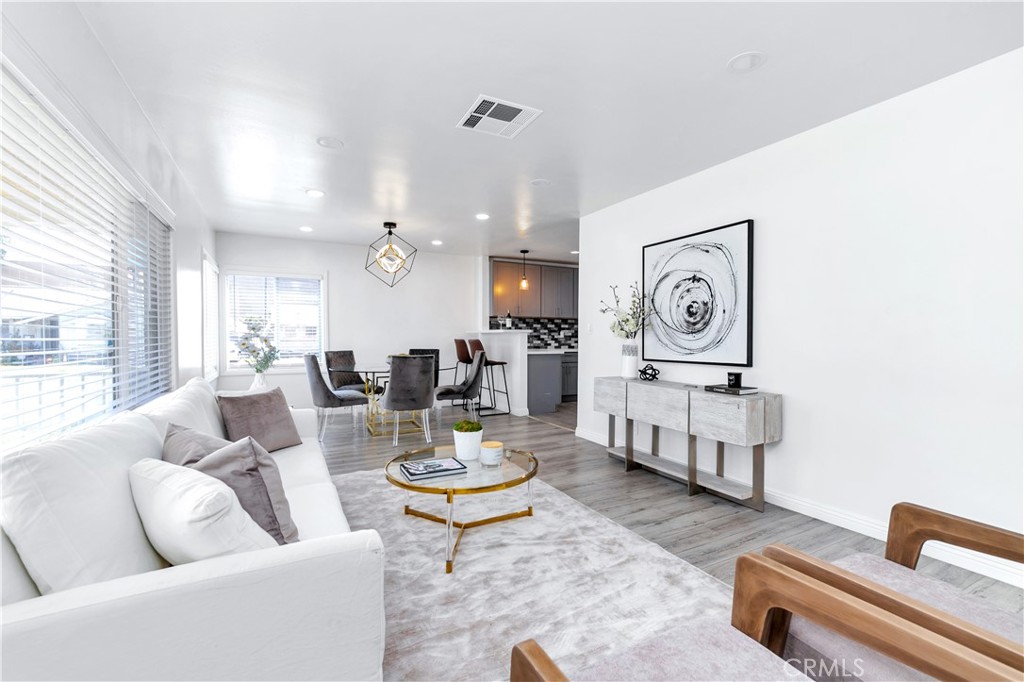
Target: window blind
column 211, row 319
column 85, row 281
column 289, row 307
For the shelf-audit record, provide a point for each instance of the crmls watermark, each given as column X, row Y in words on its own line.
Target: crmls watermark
column 826, row 668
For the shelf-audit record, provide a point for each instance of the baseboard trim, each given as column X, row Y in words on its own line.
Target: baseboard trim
column 992, row 567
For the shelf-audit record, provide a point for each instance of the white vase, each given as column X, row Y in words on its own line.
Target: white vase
column 259, row 383
column 630, row 358
column 467, row 444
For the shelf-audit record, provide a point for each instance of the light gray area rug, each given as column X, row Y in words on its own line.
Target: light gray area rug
column 605, row 603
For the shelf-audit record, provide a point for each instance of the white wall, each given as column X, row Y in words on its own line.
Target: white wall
column 888, row 302
column 437, row 302
column 53, row 46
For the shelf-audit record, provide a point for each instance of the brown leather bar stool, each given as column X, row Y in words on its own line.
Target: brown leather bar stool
column 462, row 357
column 489, row 365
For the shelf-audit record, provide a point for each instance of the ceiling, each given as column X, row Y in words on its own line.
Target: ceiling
column 633, row 96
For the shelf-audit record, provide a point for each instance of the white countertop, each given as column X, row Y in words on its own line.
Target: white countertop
column 551, row 351
column 502, row 331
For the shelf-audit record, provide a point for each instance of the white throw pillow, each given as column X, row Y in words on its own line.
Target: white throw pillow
column 67, row 506
column 190, row 516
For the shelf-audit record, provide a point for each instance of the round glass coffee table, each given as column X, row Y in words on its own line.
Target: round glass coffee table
column 517, row 467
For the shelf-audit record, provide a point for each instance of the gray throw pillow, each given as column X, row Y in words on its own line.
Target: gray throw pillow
column 264, row 416
column 245, row 467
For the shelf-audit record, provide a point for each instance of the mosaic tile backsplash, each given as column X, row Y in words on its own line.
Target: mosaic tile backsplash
column 548, row 332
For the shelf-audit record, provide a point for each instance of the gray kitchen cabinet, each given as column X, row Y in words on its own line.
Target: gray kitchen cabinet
column 558, row 291
column 575, row 293
column 552, row 292
column 570, row 376
column 544, row 383
column 505, row 288
column 529, row 300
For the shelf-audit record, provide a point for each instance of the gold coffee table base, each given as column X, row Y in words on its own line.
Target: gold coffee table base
column 463, row 525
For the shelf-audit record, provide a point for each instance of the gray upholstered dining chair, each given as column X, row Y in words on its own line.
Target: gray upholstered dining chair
column 469, row 390
column 436, row 354
column 327, row 400
column 410, row 388
column 337, row 363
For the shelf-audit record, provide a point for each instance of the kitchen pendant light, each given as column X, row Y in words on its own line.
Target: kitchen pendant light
column 390, row 258
column 524, row 284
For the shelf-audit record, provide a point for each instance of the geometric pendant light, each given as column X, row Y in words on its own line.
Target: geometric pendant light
column 390, row 258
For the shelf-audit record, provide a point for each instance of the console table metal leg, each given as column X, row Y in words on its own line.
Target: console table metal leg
column 611, row 430
column 655, row 440
column 720, row 459
column 630, row 464
column 692, row 487
column 757, row 494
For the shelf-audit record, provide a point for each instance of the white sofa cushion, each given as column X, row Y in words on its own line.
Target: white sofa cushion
column 317, row 511
column 190, row 516
column 193, row 405
column 67, row 505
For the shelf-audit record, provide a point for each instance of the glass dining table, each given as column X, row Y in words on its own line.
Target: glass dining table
column 375, row 420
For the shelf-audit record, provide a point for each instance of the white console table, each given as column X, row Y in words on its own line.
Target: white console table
column 744, row 420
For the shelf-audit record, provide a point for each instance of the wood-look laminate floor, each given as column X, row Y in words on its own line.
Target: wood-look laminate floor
column 704, row 530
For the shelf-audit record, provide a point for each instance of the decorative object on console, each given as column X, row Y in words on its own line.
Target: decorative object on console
column 701, row 289
column 390, row 258
column 491, row 453
column 731, row 390
column 255, row 348
column 264, row 416
column 649, row 373
column 734, row 379
column 627, row 324
column 468, row 436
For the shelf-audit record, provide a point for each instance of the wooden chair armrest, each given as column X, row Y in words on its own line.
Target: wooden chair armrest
column 530, row 663
column 764, row 588
column 936, row 620
column 911, row 525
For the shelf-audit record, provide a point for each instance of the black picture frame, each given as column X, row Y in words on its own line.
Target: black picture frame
column 701, row 288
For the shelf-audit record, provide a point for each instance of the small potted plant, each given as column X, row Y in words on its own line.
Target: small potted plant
column 468, row 435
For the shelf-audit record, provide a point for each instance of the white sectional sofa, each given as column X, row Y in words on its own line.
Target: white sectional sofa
column 312, row 609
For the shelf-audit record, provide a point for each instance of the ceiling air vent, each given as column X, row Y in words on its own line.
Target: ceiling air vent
column 497, row 117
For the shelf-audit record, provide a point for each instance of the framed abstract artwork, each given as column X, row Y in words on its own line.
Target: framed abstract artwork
column 701, row 290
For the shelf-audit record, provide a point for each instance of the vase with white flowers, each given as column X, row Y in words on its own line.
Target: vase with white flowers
column 255, row 348
column 627, row 322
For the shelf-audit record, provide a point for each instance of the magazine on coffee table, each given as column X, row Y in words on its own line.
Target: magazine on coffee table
column 431, row 468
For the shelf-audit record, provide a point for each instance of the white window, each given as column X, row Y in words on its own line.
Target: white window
column 85, row 281
column 289, row 307
column 211, row 318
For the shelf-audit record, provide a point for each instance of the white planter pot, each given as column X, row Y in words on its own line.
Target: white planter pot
column 630, row 358
column 259, row 383
column 467, row 444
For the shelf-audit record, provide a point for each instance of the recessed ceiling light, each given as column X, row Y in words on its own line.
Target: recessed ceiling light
column 305, row 228
column 482, row 216
column 540, row 182
column 437, row 242
column 330, row 142
column 747, row 61
column 315, row 193
column 575, row 253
